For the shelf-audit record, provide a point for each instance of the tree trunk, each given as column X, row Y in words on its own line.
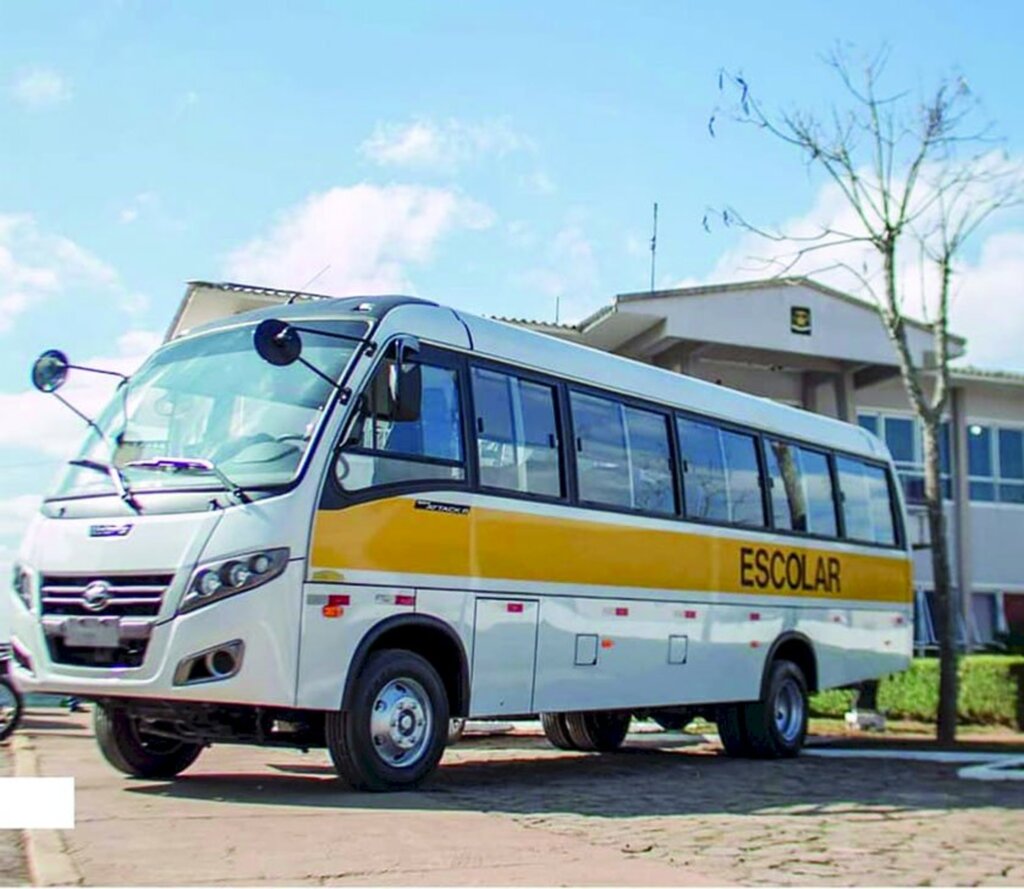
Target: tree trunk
column 945, row 603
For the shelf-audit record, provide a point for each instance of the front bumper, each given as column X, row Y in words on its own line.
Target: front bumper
column 265, row 619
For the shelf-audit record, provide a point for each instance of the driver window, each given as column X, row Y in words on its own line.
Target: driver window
column 380, row 450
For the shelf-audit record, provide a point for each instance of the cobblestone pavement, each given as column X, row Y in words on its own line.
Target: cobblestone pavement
column 512, row 810
column 12, row 856
column 803, row 821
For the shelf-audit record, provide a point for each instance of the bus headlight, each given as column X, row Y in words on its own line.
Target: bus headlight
column 227, row 577
column 21, row 583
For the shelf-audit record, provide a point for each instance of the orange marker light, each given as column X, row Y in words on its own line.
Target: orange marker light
column 335, row 606
column 607, row 643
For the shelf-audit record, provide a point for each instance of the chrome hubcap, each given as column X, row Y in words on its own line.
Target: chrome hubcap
column 789, row 710
column 8, row 707
column 401, row 723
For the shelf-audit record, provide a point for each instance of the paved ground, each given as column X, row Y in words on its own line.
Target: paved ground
column 12, row 852
column 512, row 810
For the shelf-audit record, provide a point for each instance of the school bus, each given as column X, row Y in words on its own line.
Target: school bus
column 339, row 523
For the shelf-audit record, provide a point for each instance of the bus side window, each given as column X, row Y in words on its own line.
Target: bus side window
column 384, row 451
column 867, row 507
column 801, row 489
column 516, row 434
column 721, row 477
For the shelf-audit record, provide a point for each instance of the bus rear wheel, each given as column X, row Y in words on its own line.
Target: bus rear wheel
column 130, row 749
column 773, row 727
column 395, row 731
column 602, row 730
column 556, row 730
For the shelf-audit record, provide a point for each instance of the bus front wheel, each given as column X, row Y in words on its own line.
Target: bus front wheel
column 132, row 750
column 395, row 731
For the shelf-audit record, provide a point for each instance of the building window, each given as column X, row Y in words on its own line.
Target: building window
column 1011, row 466
column 902, row 435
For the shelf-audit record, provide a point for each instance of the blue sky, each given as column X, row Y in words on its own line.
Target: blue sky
column 496, row 156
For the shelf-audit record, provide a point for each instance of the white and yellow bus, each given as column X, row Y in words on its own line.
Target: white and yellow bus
column 340, row 522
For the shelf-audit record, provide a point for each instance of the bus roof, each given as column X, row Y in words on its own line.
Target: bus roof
column 515, row 345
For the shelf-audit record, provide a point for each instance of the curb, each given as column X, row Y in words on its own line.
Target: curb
column 46, row 853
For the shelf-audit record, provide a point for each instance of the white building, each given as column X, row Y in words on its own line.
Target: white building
column 797, row 341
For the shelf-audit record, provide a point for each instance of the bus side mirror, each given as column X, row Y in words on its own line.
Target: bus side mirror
column 50, row 371
column 405, row 381
column 276, row 342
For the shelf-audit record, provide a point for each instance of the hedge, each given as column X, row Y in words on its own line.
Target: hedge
column 991, row 692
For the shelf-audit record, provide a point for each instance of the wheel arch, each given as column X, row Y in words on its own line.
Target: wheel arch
column 426, row 636
column 797, row 648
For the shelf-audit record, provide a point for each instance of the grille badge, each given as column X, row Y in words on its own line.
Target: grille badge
column 96, row 596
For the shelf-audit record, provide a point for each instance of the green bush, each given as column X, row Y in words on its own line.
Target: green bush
column 991, row 692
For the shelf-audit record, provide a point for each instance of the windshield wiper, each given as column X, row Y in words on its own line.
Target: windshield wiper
column 190, row 464
column 116, row 476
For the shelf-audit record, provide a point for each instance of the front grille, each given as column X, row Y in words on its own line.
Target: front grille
column 136, row 595
column 130, row 653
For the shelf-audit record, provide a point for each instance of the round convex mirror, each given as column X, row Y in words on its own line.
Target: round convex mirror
column 277, row 342
column 50, row 371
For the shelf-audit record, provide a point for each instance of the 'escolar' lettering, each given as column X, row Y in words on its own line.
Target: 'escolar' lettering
column 762, row 568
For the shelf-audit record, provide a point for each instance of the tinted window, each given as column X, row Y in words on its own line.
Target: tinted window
column 622, row 455
column 979, row 451
column 867, row 509
column 382, row 451
column 650, row 461
column 1011, row 454
column 820, row 497
column 801, row 489
column 517, row 435
column 601, row 460
column 899, row 436
column 721, row 481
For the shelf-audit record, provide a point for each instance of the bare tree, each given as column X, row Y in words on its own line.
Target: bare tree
column 919, row 178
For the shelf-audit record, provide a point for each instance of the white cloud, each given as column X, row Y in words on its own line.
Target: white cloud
column 448, row 145
column 988, row 304
column 139, row 204
column 40, row 87
column 569, row 274
column 365, row 236
column 36, row 265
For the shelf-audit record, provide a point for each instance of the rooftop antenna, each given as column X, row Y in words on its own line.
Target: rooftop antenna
column 654, row 244
column 317, row 275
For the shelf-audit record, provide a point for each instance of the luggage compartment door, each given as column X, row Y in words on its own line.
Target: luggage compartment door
column 504, row 656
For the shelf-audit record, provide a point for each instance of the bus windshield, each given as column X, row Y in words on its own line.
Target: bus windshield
column 211, row 401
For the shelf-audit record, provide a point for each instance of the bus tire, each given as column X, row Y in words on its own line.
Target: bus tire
column 777, row 724
column 556, row 730
column 11, row 704
column 136, row 753
column 602, row 730
column 732, row 729
column 396, row 729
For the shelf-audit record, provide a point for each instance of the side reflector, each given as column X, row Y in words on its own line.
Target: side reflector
column 515, row 607
column 690, row 615
column 755, row 615
column 402, row 599
column 607, row 643
column 622, row 612
column 335, row 606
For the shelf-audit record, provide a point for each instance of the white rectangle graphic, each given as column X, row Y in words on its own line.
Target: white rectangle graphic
column 37, row 802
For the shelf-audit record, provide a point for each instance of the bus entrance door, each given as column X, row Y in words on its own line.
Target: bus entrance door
column 504, row 655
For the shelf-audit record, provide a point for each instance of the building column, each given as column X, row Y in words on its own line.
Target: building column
column 961, row 524
column 846, row 396
column 809, row 391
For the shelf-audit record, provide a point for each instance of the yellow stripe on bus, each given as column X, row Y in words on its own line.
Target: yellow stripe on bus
column 394, row 536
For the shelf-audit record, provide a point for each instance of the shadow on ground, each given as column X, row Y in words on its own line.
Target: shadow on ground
column 523, row 776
